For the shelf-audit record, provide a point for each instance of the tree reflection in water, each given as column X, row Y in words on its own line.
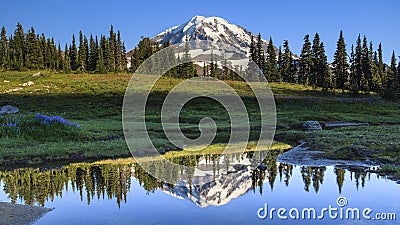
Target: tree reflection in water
column 113, row 180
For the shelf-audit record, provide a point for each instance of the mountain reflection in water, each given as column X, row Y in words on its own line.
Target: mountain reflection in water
column 232, row 176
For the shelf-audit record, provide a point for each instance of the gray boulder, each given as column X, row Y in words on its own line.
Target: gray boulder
column 8, row 109
column 311, row 125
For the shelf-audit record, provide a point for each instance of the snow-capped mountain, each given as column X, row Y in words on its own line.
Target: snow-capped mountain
column 232, row 180
column 213, row 29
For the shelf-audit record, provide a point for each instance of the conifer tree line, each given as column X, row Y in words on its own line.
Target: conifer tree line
column 363, row 70
column 29, row 50
column 146, row 48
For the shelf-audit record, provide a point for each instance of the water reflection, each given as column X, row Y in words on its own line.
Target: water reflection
column 232, row 176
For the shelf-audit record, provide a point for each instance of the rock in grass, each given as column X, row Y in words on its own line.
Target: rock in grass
column 8, row 109
column 311, row 125
column 36, row 74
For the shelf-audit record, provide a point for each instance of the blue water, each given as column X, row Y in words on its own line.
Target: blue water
column 163, row 206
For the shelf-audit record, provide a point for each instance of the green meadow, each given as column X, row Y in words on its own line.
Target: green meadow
column 94, row 102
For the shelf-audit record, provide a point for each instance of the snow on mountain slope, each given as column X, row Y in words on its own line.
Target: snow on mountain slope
column 233, row 179
column 213, row 29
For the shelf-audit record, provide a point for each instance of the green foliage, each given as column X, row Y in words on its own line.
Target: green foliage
column 27, row 51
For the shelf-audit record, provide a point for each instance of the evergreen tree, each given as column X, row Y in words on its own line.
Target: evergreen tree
column 287, row 75
column 60, row 58
column 82, row 53
column 31, row 50
column 271, row 64
column 17, row 45
column 107, row 56
column 143, row 50
column 306, row 62
column 4, row 56
column 113, row 49
column 316, row 61
column 204, row 69
column 367, row 84
column 253, row 50
column 67, row 63
column 358, row 69
column 376, row 79
column 381, row 67
column 352, row 75
column 41, row 46
column 390, row 78
column 320, row 72
column 260, row 56
column 100, row 67
column 340, row 64
column 123, row 63
column 325, row 80
column 118, row 53
column 188, row 68
column 73, row 55
column 92, row 54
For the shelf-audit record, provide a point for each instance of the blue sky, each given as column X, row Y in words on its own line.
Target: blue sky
column 378, row 20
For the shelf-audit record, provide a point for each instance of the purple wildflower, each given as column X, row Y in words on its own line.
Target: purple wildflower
column 47, row 120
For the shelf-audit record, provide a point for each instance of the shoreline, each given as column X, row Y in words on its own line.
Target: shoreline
column 20, row 214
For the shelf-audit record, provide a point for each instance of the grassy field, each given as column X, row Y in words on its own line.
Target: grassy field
column 95, row 102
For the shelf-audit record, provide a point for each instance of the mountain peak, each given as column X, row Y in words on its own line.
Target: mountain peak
column 215, row 29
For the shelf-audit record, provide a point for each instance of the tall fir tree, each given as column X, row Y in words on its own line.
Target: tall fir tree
column 112, row 40
column 313, row 80
column 381, row 67
column 100, row 66
column 260, row 53
column 358, row 69
column 188, row 68
column 73, row 55
column 389, row 81
column 82, row 53
column 253, row 50
column 376, row 79
column 31, row 47
column 320, row 70
column 306, row 62
column 340, row 64
column 67, row 63
column 60, row 58
column 367, row 84
column 118, row 53
column 4, row 50
column 271, row 64
column 18, row 48
column 287, row 76
column 324, row 74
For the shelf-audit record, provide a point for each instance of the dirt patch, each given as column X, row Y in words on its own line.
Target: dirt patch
column 12, row 214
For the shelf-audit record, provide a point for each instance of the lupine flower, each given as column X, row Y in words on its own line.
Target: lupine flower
column 11, row 124
column 47, row 120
